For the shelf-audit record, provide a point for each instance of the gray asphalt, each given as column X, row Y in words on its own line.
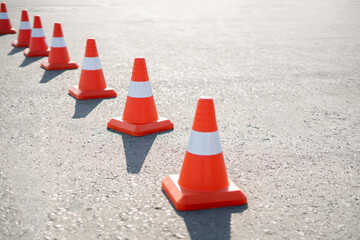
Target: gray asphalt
column 285, row 78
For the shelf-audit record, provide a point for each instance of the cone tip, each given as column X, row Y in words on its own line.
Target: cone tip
column 57, row 30
column 24, row 15
column 90, row 41
column 37, row 22
column 205, row 119
column 91, row 49
column 206, row 98
column 3, row 7
column 139, row 61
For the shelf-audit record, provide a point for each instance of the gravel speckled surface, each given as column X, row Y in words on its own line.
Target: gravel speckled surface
column 285, row 78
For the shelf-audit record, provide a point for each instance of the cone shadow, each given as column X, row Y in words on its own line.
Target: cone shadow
column 16, row 50
column 49, row 75
column 136, row 149
column 84, row 107
column 29, row 60
column 209, row 223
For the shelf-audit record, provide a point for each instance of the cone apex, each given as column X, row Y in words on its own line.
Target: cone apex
column 205, row 118
column 37, row 22
column 3, row 7
column 139, row 73
column 24, row 16
column 91, row 49
column 58, row 30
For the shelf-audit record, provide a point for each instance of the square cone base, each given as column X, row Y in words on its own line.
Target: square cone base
column 29, row 53
column 9, row 31
column 18, row 44
column 137, row 130
column 58, row 66
column 187, row 200
column 82, row 95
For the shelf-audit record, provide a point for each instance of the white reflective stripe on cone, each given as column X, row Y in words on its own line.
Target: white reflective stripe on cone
column 4, row 15
column 58, row 42
column 25, row 25
column 37, row 32
column 204, row 143
column 140, row 89
column 91, row 63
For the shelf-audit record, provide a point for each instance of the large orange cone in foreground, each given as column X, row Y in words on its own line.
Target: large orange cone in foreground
column 38, row 46
column 59, row 58
column 203, row 181
column 24, row 35
column 5, row 24
column 92, row 81
column 140, row 115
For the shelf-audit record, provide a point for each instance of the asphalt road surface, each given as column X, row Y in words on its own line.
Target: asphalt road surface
column 285, row 77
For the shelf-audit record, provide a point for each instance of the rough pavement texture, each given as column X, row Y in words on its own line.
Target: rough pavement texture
column 285, row 77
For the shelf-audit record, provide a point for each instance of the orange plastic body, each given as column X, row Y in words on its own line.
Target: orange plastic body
column 22, row 39
column 59, row 58
column 38, row 46
column 140, row 110
column 212, row 176
column 24, row 35
column 91, row 80
column 203, row 181
column 92, row 83
column 5, row 24
column 140, row 115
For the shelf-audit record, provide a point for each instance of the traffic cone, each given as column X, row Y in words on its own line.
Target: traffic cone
column 59, row 58
column 92, row 82
column 203, row 182
column 38, row 46
column 5, row 24
column 24, row 31
column 140, row 115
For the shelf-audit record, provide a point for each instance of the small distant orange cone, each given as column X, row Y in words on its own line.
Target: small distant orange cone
column 38, row 46
column 24, row 31
column 140, row 115
column 59, row 58
column 5, row 24
column 92, row 81
column 203, row 182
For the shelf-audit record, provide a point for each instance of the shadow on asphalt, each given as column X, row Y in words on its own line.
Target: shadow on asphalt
column 136, row 149
column 29, row 60
column 209, row 223
column 49, row 75
column 84, row 107
column 16, row 50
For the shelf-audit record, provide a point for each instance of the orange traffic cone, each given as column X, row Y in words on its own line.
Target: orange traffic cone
column 203, row 181
column 24, row 31
column 92, row 82
column 5, row 24
column 140, row 115
column 59, row 58
column 38, row 46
